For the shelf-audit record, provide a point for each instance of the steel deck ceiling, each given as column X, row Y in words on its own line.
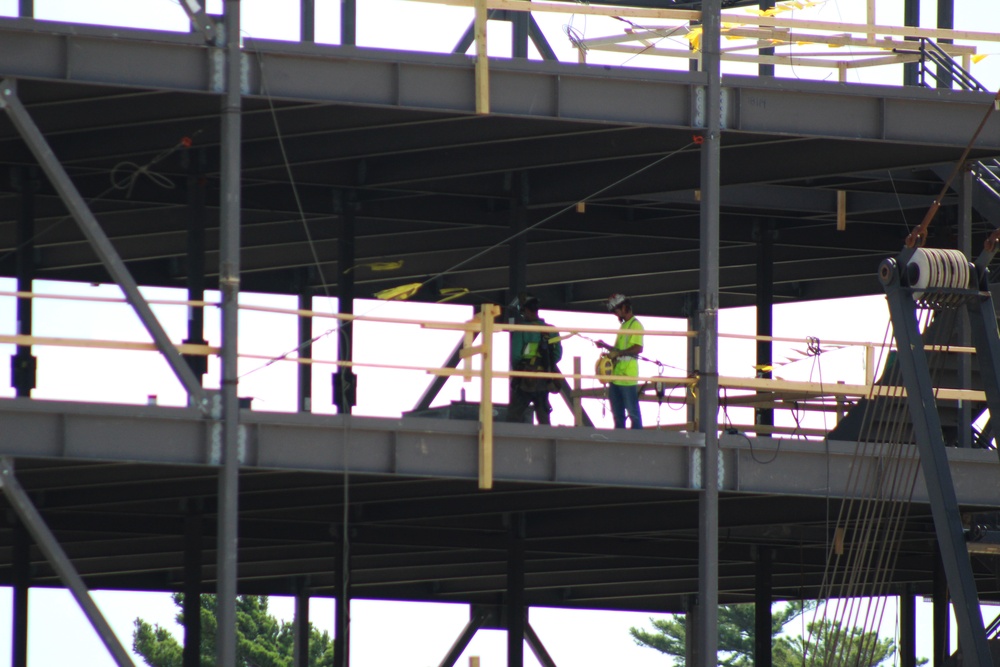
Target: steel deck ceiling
column 394, row 137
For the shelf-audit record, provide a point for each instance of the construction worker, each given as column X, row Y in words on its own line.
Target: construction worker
column 532, row 351
column 624, row 394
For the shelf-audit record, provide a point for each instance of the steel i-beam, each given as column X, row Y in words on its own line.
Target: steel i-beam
column 46, row 541
column 99, row 241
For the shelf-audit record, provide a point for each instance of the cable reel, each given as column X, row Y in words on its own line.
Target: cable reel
column 604, row 366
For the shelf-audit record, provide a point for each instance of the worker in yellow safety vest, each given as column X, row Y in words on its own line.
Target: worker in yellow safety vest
column 624, row 393
column 536, row 351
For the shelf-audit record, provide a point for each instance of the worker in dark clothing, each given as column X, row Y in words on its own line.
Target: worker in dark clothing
column 537, row 351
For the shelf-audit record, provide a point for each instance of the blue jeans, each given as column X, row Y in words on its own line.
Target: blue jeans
column 625, row 398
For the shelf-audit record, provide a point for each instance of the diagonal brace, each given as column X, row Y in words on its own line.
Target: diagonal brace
column 478, row 619
column 70, row 196
column 934, row 462
column 46, row 541
column 536, row 646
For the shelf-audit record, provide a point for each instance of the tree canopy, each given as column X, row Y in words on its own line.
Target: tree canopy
column 737, row 635
column 261, row 639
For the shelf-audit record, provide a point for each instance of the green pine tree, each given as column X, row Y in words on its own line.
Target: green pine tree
column 736, row 633
column 261, row 640
column 737, row 636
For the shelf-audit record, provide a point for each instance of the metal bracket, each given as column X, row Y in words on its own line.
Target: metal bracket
column 201, row 21
column 698, row 112
column 46, row 541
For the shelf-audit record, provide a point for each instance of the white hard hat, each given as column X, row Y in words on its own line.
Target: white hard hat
column 616, row 300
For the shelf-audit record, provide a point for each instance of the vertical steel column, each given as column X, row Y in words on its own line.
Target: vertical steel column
column 192, row 589
column 692, row 618
column 515, row 593
column 196, row 260
column 348, row 22
column 342, row 634
column 762, row 608
column 764, row 235
column 519, row 34
column 518, row 246
column 23, row 363
column 344, row 380
column 26, row 9
column 964, row 223
column 300, row 657
column 708, row 339
column 307, row 20
column 229, row 285
column 765, row 69
column 911, row 18
column 940, row 616
column 690, row 394
column 21, row 560
column 945, row 20
column 907, row 629
column 305, row 350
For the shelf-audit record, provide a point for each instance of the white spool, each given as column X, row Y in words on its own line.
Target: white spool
column 938, row 268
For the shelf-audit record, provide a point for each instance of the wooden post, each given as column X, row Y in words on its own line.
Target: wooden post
column 869, row 365
column 871, row 21
column 482, row 66
column 841, row 209
column 488, row 313
column 577, row 386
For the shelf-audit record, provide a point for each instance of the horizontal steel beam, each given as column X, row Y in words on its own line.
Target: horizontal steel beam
column 432, row 448
column 349, row 75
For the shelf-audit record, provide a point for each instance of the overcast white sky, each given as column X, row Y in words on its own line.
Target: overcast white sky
column 421, row 634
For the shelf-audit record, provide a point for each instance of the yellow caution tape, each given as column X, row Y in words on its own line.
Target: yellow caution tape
column 401, row 293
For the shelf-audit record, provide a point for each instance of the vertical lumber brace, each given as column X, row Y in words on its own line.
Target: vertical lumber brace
column 934, row 463
column 46, row 541
column 708, row 333
column 482, row 62
column 488, row 313
column 229, row 286
column 109, row 257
